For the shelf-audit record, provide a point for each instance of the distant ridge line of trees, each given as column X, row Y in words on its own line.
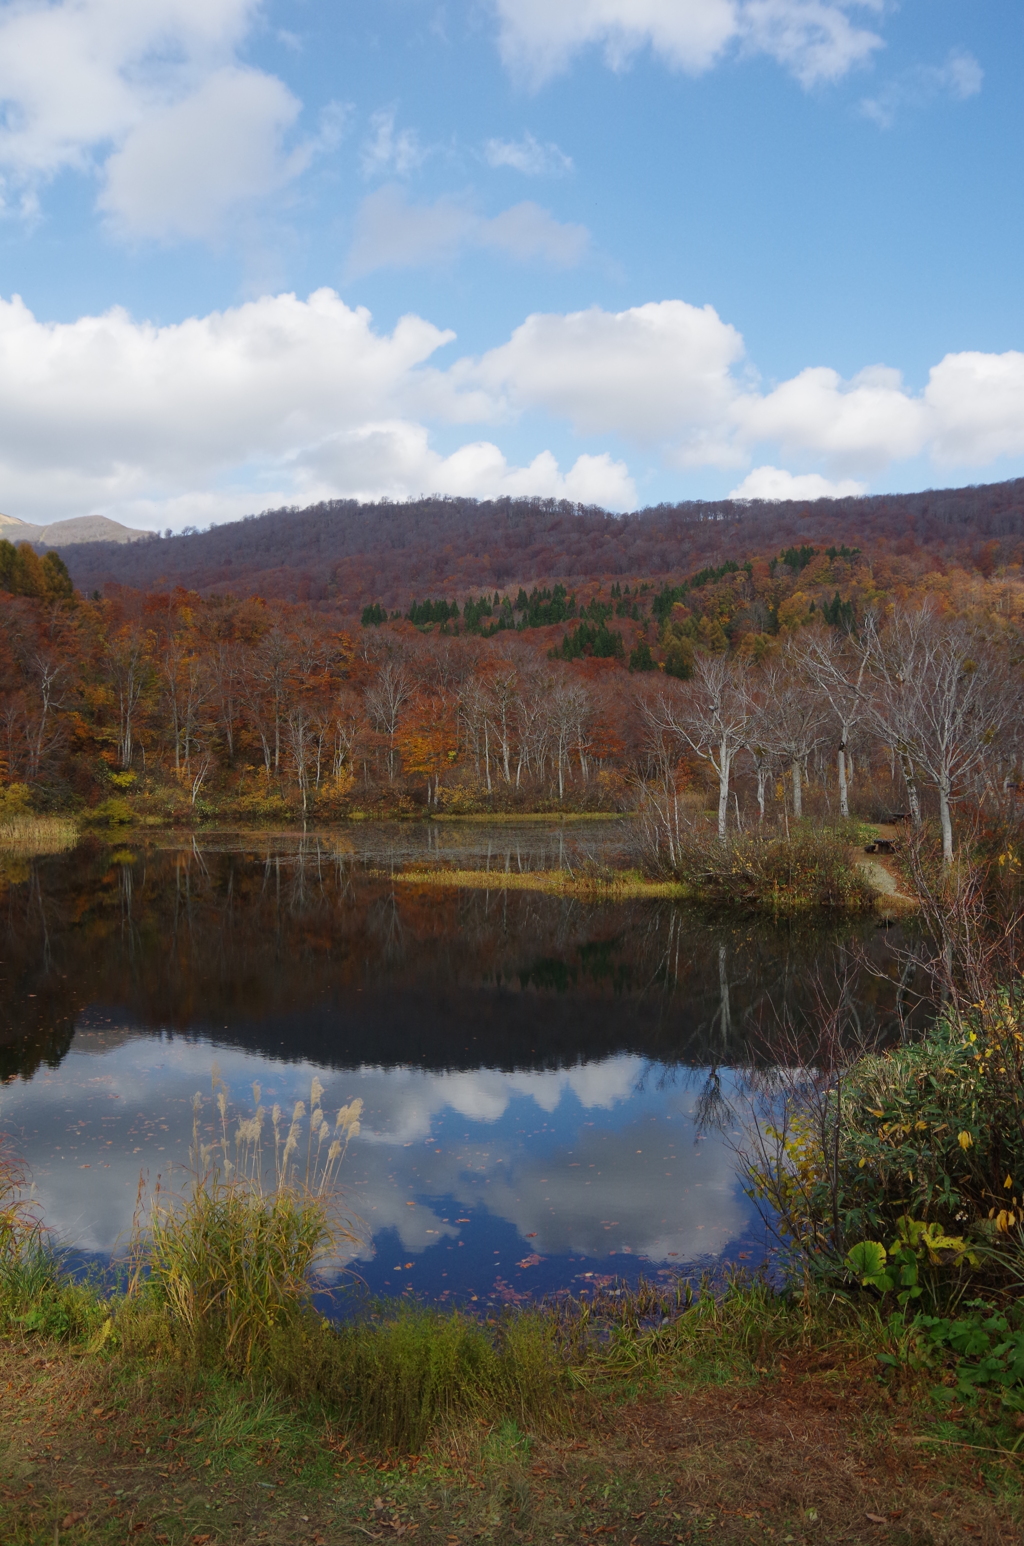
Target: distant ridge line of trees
column 343, row 555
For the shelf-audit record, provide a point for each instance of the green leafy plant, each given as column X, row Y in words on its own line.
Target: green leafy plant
column 923, row 1145
column 899, row 1266
column 868, row 1261
column 988, row 1348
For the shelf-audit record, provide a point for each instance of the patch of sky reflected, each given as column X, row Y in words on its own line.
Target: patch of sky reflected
column 469, row 1185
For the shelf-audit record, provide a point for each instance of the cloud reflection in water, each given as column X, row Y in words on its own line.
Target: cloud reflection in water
column 599, row 1160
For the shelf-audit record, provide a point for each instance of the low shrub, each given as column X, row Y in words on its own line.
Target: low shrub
column 115, row 812
column 915, row 1155
column 812, row 868
column 15, row 800
column 259, row 807
column 936, row 1129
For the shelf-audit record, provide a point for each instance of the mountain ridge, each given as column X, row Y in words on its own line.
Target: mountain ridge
column 72, row 532
column 342, row 554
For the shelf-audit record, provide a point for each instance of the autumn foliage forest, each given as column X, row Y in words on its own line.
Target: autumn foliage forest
column 760, row 661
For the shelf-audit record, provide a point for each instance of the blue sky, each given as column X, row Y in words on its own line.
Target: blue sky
column 610, row 250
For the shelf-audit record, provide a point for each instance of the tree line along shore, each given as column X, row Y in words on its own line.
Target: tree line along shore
column 813, row 682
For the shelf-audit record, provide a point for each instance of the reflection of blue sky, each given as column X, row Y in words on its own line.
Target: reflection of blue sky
column 591, row 1161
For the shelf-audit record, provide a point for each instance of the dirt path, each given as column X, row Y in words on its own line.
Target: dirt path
column 882, row 875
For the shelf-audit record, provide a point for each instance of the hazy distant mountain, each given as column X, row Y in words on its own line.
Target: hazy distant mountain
column 79, row 528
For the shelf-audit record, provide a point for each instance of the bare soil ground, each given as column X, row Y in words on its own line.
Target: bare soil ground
column 94, row 1452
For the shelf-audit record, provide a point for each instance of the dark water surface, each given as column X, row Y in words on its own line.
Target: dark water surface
column 533, row 1070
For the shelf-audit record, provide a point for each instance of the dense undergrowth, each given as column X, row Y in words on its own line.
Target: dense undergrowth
column 807, row 869
column 896, row 1177
column 781, row 867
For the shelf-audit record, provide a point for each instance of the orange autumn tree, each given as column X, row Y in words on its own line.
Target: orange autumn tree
column 428, row 739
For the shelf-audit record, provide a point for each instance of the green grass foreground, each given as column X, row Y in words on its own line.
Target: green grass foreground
column 657, row 1416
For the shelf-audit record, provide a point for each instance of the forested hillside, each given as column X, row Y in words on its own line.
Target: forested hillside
column 769, row 659
column 347, row 555
column 835, row 657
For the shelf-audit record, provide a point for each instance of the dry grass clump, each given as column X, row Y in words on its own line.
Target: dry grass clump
column 235, row 1255
column 27, row 836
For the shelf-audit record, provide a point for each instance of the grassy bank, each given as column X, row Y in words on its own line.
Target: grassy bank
column 741, row 1419
column 608, row 885
column 506, row 818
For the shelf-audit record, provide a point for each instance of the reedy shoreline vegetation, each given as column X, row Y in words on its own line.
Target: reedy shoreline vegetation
column 28, row 836
column 811, row 870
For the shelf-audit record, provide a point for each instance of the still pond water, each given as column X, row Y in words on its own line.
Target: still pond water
column 534, row 1070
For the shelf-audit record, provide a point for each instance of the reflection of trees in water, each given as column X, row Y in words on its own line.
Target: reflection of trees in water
column 384, row 923
column 198, row 937
column 37, row 905
column 21, row 1058
column 36, row 1008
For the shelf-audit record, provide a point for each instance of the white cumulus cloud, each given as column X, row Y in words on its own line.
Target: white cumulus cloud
column 267, row 403
column 283, row 400
column 863, row 424
column 395, row 458
column 976, row 407
column 392, row 232
column 815, row 40
column 659, row 373
column 154, row 94
column 775, row 483
column 673, row 378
